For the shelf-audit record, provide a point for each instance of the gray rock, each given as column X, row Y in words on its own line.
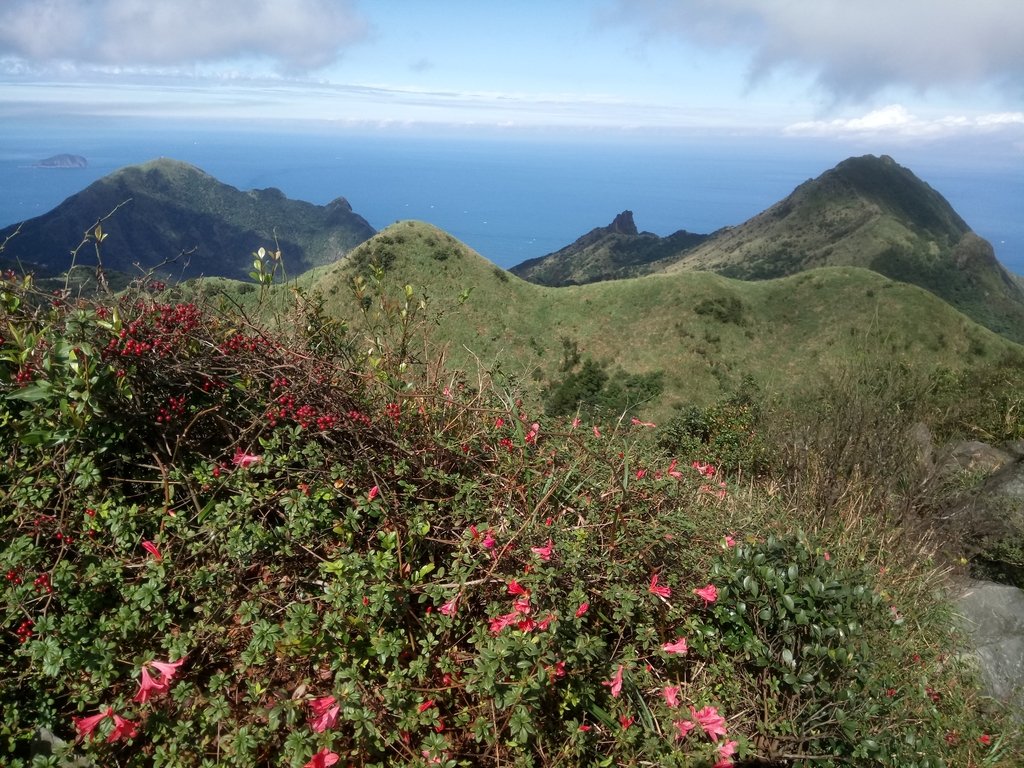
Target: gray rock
column 993, row 616
column 975, row 456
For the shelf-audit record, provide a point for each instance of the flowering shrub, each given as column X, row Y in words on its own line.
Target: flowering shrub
column 226, row 547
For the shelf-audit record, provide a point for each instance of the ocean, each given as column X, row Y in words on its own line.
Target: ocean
column 509, row 197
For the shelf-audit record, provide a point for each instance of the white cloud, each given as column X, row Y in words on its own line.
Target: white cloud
column 855, row 48
column 896, row 120
column 296, row 34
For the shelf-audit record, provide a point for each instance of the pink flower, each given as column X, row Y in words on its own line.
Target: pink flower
column 576, row 422
column 544, row 553
column 725, row 752
column 123, row 729
column 615, row 684
column 678, row 646
column 557, row 669
column 488, row 542
column 709, row 594
column 531, row 436
column 245, row 460
column 584, row 727
column 374, row 493
column 654, row 589
column 168, row 668
column 86, row 725
column 448, row 609
column 637, row 423
column 641, row 474
column 684, row 727
column 150, row 547
column 543, row 624
column 626, row 720
column 149, row 687
column 597, row 432
column 705, row 470
column 322, row 759
column 522, row 605
column 499, row 623
column 515, row 588
column 426, row 705
column 827, row 556
column 671, row 695
column 584, row 607
column 325, row 713
column 730, row 542
column 712, row 722
column 673, row 472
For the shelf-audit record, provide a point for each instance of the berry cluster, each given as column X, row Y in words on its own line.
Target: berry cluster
column 24, row 630
column 42, row 583
column 174, row 408
column 13, row 576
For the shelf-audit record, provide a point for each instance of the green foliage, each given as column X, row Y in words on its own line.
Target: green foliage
column 727, row 434
column 351, row 551
column 724, row 309
column 593, row 392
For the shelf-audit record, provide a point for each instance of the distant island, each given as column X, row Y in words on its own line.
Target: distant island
column 63, row 161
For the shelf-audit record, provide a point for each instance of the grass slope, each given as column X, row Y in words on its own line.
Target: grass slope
column 704, row 331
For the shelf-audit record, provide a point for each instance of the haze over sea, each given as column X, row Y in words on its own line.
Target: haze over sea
column 510, row 197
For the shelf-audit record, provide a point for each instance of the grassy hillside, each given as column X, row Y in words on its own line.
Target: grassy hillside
column 172, row 215
column 704, row 332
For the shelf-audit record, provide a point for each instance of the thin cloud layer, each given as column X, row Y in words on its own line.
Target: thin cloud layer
column 896, row 120
column 855, row 49
column 298, row 35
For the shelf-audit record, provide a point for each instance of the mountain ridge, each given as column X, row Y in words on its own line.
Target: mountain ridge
column 164, row 208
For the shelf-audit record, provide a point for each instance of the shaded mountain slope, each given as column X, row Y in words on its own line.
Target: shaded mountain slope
column 606, row 253
column 169, row 207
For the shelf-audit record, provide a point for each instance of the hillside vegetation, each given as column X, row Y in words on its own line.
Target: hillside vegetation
column 170, row 216
column 866, row 212
column 302, row 543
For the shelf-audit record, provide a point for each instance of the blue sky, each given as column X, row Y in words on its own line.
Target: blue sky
column 911, row 70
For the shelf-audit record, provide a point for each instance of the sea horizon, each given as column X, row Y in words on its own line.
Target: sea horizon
column 510, row 198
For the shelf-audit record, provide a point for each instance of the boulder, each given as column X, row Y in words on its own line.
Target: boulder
column 993, row 616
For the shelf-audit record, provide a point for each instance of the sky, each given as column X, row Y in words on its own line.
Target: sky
column 903, row 70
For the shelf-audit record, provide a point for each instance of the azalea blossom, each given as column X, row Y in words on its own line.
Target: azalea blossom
column 584, row 607
column 597, row 432
column 325, row 713
column 148, row 687
column 709, row 594
column 557, row 669
column 152, row 548
column 684, row 727
column 730, row 542
column 671, row 695
column 725, row 752
column 678, row 646
column 488, row 542
column 654, row 589
column 626, row 720
column 522, row 605
column 712, row 722
column 86, row 725
column 245, row 460
column 426, row 705
column 449, row 608
column 322, row 759
column 168, row 668
column 637, row 423
column 673, row 472
column 584, row 727
column 705, row 470
column 123, row 729
column 374, row 492
column 531, row 436
column 615, row 684
column 499, row 623
column 544, row 553
column 515, row 588
column 543, row 624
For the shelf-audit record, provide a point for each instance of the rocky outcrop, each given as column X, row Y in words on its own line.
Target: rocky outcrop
column 993, row 616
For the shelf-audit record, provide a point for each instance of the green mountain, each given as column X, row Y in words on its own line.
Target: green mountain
column 606, row 253
column 701, row 333
column 171, row 211
column 866, row 212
